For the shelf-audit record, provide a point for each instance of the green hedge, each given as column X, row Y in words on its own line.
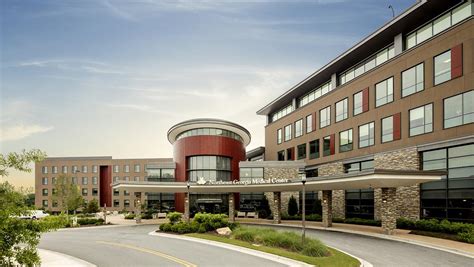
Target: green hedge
column 290, row 241
column 308, row 217
column 202, row 222
column 90, row 221
column 461, row 231
column 362, row 221
column 129, row 216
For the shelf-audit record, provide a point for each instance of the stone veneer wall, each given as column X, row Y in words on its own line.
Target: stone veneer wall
column 289, row 173
column 338, row 196
column 407, row 197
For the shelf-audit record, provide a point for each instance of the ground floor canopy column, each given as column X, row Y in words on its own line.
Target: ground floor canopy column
column 389, row 210
column 276, row 207
column 327, row 208
column 231, row 207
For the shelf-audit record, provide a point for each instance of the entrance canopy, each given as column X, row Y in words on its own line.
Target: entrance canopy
column 361, row 180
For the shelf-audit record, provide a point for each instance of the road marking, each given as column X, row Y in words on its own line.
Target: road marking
column 154, row 252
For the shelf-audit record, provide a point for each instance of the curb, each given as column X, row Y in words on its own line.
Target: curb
column 54, row 258
column 264, row 255
column 391, row 238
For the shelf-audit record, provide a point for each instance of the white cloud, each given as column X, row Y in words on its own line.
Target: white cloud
column 17, row 132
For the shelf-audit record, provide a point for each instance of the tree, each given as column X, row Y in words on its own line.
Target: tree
column 292, row 206
column 92, row 206
column 67, row 195
column 264, row 208
column 19, row 238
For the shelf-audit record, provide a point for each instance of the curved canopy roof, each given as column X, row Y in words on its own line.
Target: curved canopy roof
column 181, row 127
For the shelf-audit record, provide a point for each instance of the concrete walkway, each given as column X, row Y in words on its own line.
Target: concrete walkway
column 51, row 259
column 461, row 248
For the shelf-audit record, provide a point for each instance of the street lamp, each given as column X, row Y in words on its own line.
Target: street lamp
column 303, row 213
column 188, row 185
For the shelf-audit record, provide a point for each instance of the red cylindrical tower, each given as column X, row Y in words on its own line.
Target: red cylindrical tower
column 211, row 139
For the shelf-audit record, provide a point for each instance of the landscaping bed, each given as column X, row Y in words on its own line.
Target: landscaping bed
column 463, row 232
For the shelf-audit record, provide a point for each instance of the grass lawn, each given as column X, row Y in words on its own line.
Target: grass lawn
column 336, row 259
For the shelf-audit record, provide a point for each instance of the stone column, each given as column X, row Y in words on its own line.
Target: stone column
column 388, row 211
column 186, row 207
column 231, row 207
column 138, row 207
column 327, row 208
column 277, row 207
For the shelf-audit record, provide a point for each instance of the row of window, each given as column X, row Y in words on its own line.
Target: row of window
column 458, row 110
column 85, row 169
column 74, row 180
column 210, row 131
column 425, row 32
column 84, row 191
column 439, row 24
column 412, row 81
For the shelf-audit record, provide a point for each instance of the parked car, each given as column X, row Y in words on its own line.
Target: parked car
column 34, row 215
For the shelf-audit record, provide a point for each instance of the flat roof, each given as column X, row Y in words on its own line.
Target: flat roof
column 410, row 19
column 361, row 180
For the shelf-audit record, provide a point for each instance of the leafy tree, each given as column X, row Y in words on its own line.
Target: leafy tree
column 92, row 206
column 30, row 200
column 67, row 194
column 19, row 238
column 292, row 206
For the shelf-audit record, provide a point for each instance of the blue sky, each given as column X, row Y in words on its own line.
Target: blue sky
column 86, row 78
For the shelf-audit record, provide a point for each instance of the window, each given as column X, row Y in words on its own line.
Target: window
column 136, row 168
column 345, row 141
column 116, row 192
column 116, row 203
column 298, row 128
column 325, row 117
column 211, row 168
column 387, row 129
column 126, row 168
column 327, row 146
column 64, row 169
column 421, row 120
column 314, row 149
column 366, row 135
column 45, row 203
column 341, row 110
column 282, row 112
column 53, row 180
column 452, row 197
column 384, row 92
column 44, row 181
column 126, row 203
column 358, row 103
column 54, row 169
column 442, row 68
column 84, row 180
column 250, row 173
column 301, row 150
column 359, row 203
column 413, row 80
column 94, row 180
column 288, row 132
column 167, row 174
column 126, row 178
column 279, row 136
column 281, row 155
column 126, row 193
column 116, row 168
column 84, row 169
column 209, row 131
column 315, row 94
column 290, row 153
column 459, row 110
column 95, row 168
column 309, row 123
column 84, row 191
column 74, row 169
column 45, row 192
column 44, row 169
column 136, row 179
column 116, row 178
column 95, row 191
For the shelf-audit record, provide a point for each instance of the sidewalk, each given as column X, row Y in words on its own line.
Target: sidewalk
column 51, row 258
column 399, row 235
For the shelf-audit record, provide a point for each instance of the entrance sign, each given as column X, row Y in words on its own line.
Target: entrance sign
column 202, row 181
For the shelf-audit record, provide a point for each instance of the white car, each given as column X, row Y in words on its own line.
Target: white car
column 34, row 215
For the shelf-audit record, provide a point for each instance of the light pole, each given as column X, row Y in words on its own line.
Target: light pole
column 303, row 213
column 188, row 185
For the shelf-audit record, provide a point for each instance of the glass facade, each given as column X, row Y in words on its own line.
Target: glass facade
column 384, row 92
column 325, row 117
column 210, row 131
column 251, row 201
column 367, row 135
column 358, row 103
column 342, row 110
column 211, row 168
column 299, row 128
column 413, row 80
column 288, row 132
column 359, row 202
column 442, row 67
column 345, row 141
column 314, row 149
column 459, row 110
column 421, row 120
column 301, row 151
column 282, row 112
column 309, row 123
column 453, row 197
column 315, row 94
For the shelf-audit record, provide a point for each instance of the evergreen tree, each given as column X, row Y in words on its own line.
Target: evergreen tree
column 292, row 206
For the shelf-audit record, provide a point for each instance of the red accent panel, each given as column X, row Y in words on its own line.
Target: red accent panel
column 397, row 133
column 332, row 144
column 205, row 145
column 456, row 61
column 365, row 100
column 105, row 181
column 292, row 153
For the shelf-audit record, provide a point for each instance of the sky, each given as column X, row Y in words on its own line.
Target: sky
column 109, row 78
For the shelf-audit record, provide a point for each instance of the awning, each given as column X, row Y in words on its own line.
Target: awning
column 360, row 180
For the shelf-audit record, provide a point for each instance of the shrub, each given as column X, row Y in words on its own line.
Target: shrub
column 467, row 237
column 404, row 223
column 90, row 221
column 147, row 216
column 174, row 217
column 308, row 217
column 202, row 222
column 264, row 210
column 362, row 221
column 292, row 206
column 129, row 216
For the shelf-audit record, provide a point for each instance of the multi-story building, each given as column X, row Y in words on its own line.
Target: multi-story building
column 94, row 177
column 401, row 98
